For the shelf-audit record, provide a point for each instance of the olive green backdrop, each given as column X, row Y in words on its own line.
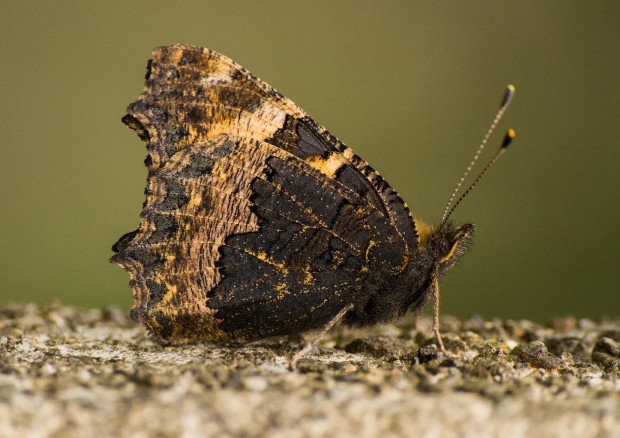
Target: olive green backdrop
column 411, row 86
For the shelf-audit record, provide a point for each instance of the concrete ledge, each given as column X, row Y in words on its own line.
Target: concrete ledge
column 75, row 372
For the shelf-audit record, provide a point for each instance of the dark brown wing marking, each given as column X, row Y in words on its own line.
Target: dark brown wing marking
column 314, row 262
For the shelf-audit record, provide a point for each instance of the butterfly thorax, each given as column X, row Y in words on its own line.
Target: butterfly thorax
column 439, row 248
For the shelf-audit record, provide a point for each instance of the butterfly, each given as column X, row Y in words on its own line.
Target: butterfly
column 258, row 222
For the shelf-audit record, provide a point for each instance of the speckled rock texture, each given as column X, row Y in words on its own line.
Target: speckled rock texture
column 69, row 372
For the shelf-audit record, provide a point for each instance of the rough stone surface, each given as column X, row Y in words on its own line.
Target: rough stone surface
column 74, row 372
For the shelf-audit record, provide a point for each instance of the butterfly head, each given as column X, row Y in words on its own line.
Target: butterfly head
column 445, row 244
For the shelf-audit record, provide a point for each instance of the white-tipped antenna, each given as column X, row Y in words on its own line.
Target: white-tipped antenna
column 509, row 94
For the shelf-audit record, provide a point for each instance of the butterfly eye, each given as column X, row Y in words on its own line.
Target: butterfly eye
column 443, row 246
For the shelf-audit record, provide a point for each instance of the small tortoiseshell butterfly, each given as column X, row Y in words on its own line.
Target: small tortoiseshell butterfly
column 258, row 222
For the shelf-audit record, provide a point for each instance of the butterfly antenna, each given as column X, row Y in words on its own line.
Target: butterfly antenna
column 508, row 95
column 510, row 135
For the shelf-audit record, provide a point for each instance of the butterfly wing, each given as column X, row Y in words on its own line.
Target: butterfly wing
column 257, row 221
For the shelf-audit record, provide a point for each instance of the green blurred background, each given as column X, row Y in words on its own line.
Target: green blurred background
column 411, row 86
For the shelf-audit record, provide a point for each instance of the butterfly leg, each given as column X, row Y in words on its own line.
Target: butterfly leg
column 310, row 345
column 436, row 315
